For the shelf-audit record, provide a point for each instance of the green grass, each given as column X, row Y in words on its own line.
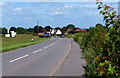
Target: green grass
column 20, row 41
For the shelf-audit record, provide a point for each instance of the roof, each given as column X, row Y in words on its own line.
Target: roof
column 69, row 30
column 81, row 30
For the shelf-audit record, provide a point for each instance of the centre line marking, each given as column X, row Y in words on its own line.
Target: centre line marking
column 45, row 47
column 37, row 51
column 19, row 58
column 51, row 44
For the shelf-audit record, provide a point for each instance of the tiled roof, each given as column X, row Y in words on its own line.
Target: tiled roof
column 80, row 30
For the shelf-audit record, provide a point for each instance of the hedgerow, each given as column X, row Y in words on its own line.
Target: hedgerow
column 101, row 46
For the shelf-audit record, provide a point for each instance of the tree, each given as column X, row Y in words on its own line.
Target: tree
column 101, row 45
column 30, row 30
column 0, row 30
column 38, row 29
column 58, row 28
column 64, row 29
column 99, row 25
column 71, row 26
column 4, row 31
column 13, row 29
column 21, row 30
column 47, row 28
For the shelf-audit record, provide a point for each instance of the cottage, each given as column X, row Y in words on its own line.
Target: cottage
column 12, row 34
column 68, row 30
column 81, row 30
column 58, row 32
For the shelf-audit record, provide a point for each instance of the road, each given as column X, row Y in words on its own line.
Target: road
column 40, row 59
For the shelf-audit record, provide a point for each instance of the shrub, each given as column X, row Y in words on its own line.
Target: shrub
column 101, row 46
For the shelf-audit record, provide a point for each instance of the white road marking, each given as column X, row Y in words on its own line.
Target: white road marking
column 45, row 47
column 37, row 51
column 19, row 58
column 54, row 42
column 51, row 44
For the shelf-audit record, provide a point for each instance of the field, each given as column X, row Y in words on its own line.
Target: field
column 19, row 41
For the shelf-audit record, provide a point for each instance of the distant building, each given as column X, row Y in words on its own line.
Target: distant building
column 58, row 32
column 52, row 31
column 7, row 35
column 68, row 30
column 81, row 30
column 12, row 34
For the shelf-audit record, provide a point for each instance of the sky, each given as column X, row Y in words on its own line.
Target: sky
column 54, row 14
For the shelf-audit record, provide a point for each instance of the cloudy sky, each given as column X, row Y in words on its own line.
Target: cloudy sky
column 55, row 14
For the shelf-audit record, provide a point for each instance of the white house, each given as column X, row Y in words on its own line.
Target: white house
column 58, row 32
column 52, row 31
column 7, row 35
column 13, row 33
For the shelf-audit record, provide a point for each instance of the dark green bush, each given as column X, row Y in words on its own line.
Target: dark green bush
column 101, row 46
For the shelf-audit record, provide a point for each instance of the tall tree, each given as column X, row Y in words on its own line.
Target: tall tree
column 4, row 30
column 64, row 29
column 13, row 29
column 38, row 29
column 47, row 28
column 70, row 26
column 0, row 30
column 58, row 28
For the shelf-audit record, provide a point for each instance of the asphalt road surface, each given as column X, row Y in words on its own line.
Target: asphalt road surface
column 36, row 60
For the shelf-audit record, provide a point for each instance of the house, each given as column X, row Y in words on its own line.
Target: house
column 81, row 30
column 68, row 30
column 52, row 31
column 12, row 34
column 49, row 33
column 58, row 32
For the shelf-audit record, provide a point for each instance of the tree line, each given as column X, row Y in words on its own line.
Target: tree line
column 37, row 29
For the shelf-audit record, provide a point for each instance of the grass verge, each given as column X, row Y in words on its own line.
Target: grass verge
column 20, row 41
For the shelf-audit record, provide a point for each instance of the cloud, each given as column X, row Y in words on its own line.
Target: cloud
column 44, row 17
column 51, row 19
column 17, row 9
column 3, row 3
column 67, row 6
column 26, row 18
column 9, row 19
column 57, row 13
column 91, row 6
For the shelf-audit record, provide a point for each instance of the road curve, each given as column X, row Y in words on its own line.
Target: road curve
column 36, row 60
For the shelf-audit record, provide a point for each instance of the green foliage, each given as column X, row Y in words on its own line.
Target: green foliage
column 30, row 30
column 57, row 28
column 70, row 26
column 0, row 30
column 13, row 29
column 4, row 30
column 47, row 28
column 21, row 30
column 38, row 29
column 64, row 29
column 101, row 46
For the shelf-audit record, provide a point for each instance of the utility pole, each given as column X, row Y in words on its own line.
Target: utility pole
column 38, row 25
